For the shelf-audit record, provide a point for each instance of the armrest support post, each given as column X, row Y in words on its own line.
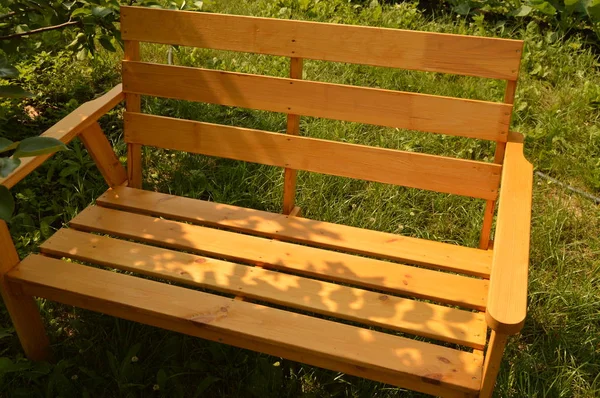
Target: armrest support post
column 67, row 129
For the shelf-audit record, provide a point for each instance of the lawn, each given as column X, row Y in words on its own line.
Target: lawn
column 557, row 108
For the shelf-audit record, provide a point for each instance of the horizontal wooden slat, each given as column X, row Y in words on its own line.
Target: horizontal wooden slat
column 325, row 264
column 356, row 240
column 462, row 117
column 67, row 129
column 370, row 308
column 416, row 170
column 426, row 51
column 240, row 323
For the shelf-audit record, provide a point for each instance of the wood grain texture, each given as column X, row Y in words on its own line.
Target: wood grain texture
column 66, row 129
column 296, row 212
column 490, row 205
column 416, row 170
column 358, row 305
column 445, row 115
column 433, row 52
column 297, row 229
column 133, row 103
column 22, row 308
column 220, row 318
column 101, row 151
column 507, row 301
column 293, row 128
column 493, row 360
column 324, row 264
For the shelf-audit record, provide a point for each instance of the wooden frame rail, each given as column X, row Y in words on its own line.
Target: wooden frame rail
column 68, row 128
column 507, row 300
column 454, row 116
column 396, row 48
column 416, row 170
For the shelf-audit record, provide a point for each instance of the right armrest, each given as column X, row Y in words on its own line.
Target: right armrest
column 67, row 129
column 507, row 296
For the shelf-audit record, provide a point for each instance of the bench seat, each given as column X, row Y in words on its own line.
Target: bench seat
column 334, row 309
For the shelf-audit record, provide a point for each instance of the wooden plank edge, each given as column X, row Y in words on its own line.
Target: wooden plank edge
column 431, row 385
column 66, row 129
column 88, row 221
column 245, row 292
column 110, row 200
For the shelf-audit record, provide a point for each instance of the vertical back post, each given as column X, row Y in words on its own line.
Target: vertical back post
column 133, row 104
column 22, row 308
column 293, row 127
column 490, row 205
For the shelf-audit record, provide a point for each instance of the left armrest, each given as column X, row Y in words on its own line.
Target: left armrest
column 507, row 297
column 67, row 129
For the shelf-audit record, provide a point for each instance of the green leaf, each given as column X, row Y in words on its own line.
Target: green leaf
column 161, row 379
column 462, row 9
column 7, row 70
column 7, row 207
column 81, row 11
column 106, row 43
column 7, row 165
column 101, row 12
column 592, row 8
column 6, row 332
column 22, row 28
column 82, row 54
column 35, row 146
column 12, row 91
column 544, row 7
column 522, row 11
column 5, row 363
column 205, row 384
column 7, row 145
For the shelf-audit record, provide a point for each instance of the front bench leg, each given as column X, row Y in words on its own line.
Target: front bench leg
column 493, row 360
column 22, row 308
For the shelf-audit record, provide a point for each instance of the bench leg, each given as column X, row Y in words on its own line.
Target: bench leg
column 22, row 308
column 491, row 365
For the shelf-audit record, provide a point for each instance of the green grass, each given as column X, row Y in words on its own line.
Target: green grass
column 557, row 108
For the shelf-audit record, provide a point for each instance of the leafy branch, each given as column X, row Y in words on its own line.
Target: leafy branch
column 33, row 146
column 40, row 30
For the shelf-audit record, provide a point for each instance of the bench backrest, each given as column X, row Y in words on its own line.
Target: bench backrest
column 425, row 51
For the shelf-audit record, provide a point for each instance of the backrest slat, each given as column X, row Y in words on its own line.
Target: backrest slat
column 455, row 116
column 425, row 51
column 416, row 170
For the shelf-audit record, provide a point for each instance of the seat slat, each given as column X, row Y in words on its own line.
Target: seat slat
column 444, row 115
column 416, row 170
column 426, row 51
column 364, row 272
column 317, row 233
column 239, row 323
column 370, row 308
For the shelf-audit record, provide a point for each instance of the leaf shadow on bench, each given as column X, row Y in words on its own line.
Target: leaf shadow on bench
column 361, row 348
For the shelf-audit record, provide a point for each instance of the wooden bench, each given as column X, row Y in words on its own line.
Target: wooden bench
column 315, row 273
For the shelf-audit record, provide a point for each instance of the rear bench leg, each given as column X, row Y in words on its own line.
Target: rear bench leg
column 491, row 365
column 22, row 308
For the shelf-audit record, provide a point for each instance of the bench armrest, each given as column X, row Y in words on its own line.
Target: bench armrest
column 67, row 129
column 507, row 297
